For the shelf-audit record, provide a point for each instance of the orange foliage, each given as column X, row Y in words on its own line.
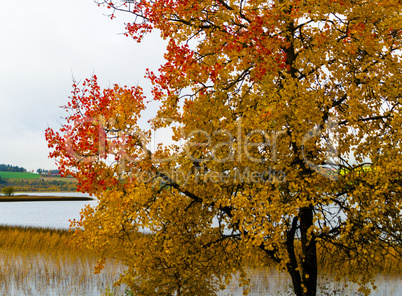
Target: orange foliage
column 267, row 98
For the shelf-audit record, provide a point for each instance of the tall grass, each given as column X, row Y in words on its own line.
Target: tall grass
column 386, row 263
column 36, row 261
column 330, row 259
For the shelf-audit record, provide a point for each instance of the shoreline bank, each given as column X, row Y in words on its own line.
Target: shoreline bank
column 20, row 198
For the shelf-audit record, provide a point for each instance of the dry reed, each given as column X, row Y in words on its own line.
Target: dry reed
column 36, row 261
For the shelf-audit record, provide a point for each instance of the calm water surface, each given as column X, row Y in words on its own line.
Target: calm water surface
column 49, row 214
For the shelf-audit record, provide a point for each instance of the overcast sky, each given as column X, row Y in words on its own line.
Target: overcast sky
column 43, row 45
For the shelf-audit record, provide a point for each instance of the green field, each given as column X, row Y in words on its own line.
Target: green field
column 18, row 175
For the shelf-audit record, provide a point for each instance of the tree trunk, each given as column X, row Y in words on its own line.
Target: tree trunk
column 292, row 264
column 304, row 278
column 309, row 252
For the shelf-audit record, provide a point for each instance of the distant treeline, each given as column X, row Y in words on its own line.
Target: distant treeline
column 11, row 168
column 33, row 185
column 48, row 172
column 42, row 185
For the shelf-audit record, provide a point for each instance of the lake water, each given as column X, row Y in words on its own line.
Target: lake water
column 48, row 214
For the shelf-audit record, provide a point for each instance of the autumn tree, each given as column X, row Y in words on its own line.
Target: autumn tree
column 289, row 118
column 7, row 191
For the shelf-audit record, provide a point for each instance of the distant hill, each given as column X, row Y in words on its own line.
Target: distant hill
column 18, row 175
column 30, row 182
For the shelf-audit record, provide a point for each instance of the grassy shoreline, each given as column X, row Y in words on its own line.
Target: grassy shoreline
column 22, row 198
